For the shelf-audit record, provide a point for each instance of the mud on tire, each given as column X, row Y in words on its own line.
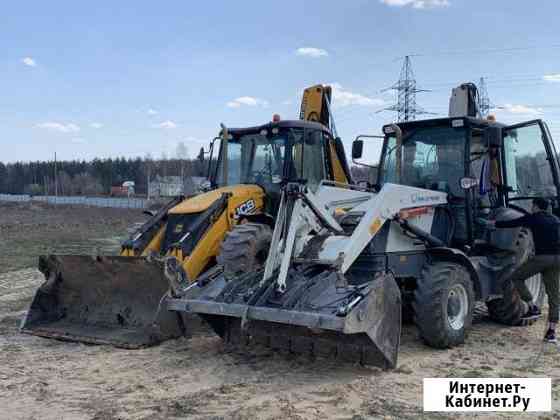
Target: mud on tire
column 245, row 248
column 443, row 304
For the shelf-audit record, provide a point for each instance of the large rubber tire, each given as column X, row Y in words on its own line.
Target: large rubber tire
column 443, row 304
column 245, row 248
column 510, row 308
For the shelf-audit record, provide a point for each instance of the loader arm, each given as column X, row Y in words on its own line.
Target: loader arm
column 150, row 234
column 310, row 214
column 391, row 200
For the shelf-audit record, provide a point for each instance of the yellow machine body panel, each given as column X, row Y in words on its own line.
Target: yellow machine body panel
column 242, row 199
column 155, row 243
column 246, row 199
column 207, row 249
column 202, row 202
column 338, row 171
column 313, row 107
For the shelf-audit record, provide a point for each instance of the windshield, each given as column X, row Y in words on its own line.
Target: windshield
column 258, row 158
column 432, row 158
column 255, row 159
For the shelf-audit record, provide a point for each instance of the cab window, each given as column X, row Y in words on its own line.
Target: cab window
column 308, row 157
column 527, row 168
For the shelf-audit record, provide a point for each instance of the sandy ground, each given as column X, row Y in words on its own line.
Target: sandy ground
column 199, row 379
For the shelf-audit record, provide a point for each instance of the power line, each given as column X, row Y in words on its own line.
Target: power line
column 483, row 51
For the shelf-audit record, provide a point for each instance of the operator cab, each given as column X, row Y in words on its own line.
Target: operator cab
column 482, row 166
column 272, row 154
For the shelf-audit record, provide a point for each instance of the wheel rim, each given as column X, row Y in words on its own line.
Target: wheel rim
column 534, row 285
column 457, row 306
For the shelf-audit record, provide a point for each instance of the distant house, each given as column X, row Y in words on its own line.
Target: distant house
column 124, row 190
column 129, row 185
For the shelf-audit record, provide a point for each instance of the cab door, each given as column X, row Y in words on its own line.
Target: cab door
column 530, row 166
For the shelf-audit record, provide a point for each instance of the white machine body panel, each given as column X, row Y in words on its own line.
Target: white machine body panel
column 397, row 241
column 384, row 206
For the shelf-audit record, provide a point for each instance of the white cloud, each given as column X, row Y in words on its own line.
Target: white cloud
column 56, row 126
column 166, row 125
column 28, row 61
column 96, row 125
column 312, row 52
column 152, row 111
column 79, row 140
column 552, row 77
column 519, row 109
column 343, row 97
column 417, row 4
column 247, row 101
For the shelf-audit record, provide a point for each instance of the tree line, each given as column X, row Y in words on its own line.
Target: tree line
column 91, row 177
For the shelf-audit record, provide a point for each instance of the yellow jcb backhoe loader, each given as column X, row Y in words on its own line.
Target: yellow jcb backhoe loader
column 117, row 299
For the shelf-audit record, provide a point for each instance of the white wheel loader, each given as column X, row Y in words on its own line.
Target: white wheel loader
column 345, row 263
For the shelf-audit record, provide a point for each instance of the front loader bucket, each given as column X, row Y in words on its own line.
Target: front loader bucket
column 316, row 315
column 102, row 300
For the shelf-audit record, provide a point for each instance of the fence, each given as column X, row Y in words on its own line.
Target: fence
column 120, row 202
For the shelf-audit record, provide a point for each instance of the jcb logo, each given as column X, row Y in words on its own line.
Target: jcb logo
column 247, row 207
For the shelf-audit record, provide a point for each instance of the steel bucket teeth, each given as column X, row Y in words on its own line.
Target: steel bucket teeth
column 308, row 318
column 102, row 300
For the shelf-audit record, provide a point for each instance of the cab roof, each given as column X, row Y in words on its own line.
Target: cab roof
column 281, row 124
column 446, row 122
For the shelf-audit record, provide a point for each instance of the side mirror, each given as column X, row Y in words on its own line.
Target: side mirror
column 467, row 183
column 357, row 149
column 201, row 155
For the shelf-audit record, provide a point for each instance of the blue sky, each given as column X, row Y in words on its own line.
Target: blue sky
column 106, row 78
